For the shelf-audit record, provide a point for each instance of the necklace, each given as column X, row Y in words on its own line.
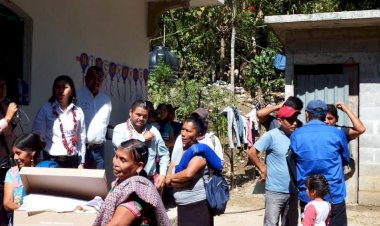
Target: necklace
column 131, row 130
column 74, row 138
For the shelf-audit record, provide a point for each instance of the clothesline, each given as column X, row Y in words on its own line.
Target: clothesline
column 240, row 125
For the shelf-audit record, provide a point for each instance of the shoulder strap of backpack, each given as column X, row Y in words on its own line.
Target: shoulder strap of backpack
column 212, row 137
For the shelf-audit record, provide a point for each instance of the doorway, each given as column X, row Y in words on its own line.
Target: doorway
column 332, row 83
column 11, row 49
column 15, row 51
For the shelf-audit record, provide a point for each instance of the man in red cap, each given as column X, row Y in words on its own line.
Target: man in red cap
column 281, row 200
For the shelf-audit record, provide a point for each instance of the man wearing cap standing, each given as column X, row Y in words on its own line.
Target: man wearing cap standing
column 280, row 194
column 318, row 148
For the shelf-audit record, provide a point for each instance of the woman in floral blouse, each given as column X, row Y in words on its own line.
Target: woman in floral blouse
column 133, row 199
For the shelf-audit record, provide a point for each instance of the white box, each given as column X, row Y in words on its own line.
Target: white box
column 82, row 184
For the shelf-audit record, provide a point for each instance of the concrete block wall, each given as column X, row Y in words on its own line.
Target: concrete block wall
column 345, row 46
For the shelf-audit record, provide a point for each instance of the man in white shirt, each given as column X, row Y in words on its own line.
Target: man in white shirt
column 97, row 108
column 137, row 127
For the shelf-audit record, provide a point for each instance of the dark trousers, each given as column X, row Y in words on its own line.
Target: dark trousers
column 64, row 161
column 338, row 215
column 195, row 214
column 95, row 156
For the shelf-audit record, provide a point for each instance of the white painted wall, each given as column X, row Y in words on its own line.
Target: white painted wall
column 114, row 30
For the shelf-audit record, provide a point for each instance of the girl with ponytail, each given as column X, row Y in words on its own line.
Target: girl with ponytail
column 317, row 211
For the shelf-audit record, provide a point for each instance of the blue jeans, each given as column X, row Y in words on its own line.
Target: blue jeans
column 281, row 205
column 95, row 156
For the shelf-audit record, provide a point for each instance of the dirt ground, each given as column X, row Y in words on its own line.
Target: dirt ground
column 246, row 209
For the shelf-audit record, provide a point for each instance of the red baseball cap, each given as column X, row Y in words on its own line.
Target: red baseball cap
column 286, row 112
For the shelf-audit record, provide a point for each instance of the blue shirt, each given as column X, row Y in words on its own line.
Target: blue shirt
column 199, row 149
column 319, row 148
column 276, row 145
column 13, row 177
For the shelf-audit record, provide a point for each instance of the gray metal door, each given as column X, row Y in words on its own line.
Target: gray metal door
column 335, row 83
column 328, row 87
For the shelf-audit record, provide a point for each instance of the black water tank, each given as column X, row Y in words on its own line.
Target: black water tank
column 166, row 55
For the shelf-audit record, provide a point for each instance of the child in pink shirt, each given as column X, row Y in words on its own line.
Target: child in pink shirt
column 317, row 211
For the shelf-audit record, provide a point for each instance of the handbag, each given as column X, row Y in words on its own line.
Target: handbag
column 217, row 193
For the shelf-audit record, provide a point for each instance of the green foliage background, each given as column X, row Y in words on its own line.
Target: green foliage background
column 188, row 94
column 200, row 37
column 195, row 35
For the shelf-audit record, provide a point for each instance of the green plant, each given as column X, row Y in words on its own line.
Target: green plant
column 188, row 94
column 216, row 99
column 262, row 76
column 159, row 83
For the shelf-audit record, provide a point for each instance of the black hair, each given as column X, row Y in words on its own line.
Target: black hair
column 294, row 102
column 162, row 105
column 149, row 105
column 29, row 142
column 141, row 104
column 198, row 123
column 138, row 149
column 331, row 109
column 93, row 69
column 70, row 81
column 319, row 184
column 204, row 120
column 170, row 108
column 317, row 113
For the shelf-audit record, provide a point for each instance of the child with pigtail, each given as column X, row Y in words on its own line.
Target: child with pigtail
column 317, row 211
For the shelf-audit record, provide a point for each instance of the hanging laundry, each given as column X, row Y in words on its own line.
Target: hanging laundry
column 253, row 126
column 244, row 138
column 235, row 125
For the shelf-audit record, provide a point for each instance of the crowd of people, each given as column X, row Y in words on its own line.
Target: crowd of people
column 304, row 163
column 153, row 154
column 69, row 131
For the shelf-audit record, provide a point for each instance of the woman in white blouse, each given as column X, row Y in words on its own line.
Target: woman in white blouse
column 60, row 124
